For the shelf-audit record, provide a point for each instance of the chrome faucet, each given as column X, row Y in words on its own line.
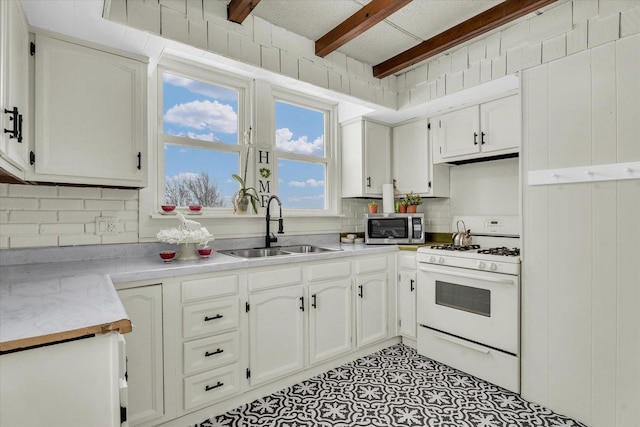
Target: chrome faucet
column 268, row 239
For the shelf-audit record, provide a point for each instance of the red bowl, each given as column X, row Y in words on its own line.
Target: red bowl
column 168, row 208
column 167, row 256
column 195, row 208
column 205, row 252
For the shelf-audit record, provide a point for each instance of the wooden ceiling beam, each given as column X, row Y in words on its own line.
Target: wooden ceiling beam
column 486, row 21
column 238, row 10
column 371, row 14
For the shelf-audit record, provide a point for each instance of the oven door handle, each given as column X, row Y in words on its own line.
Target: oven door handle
column 462, row 343
column 468, row 276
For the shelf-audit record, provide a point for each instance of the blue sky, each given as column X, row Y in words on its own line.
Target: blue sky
column 207, row 112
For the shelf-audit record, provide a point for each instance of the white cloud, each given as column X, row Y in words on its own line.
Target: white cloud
column 182, row 150
column 308, row 183
column 203, row 115
column 300, row 145
column 194, row 86
column 182, row 176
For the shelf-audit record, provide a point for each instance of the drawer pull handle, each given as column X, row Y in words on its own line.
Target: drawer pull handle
column 211, row 387
column 217, row 316
column 213, row 353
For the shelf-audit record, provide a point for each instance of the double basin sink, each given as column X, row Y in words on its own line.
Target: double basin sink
column 277, row 251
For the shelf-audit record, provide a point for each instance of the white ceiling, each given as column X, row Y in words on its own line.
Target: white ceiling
column 414, row 23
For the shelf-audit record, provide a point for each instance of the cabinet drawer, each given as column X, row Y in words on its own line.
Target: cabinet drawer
column 407, row 260
column 494, row 366
column 332, row 270
column 209, row 287
column 211, row 386
column 210, row 318
column 211, row 352
column 371, row 265
column 275, row 278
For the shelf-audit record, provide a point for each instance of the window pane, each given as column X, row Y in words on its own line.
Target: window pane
column 299, row 130
column 199, row 110
column 301, row 184
column 198, row 176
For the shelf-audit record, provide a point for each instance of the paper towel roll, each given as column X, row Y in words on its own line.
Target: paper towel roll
column 387, row 198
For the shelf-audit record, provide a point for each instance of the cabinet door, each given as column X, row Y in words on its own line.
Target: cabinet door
column 377, row 150
column 144, row 353
column 407, row 303
column 500, row 125
column 371, row 308
column 411, row 162
column 458, row 133
column 329, row 319
column 90, row 115
column 14, row 62
column 276, row 333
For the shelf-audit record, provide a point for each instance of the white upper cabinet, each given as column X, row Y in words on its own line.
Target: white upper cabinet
column 412, row 166
column 366, row 149
column 485, row 130
column 90, row 115
column 14, row 84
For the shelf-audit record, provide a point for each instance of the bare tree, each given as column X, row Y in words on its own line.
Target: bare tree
column 192, row 189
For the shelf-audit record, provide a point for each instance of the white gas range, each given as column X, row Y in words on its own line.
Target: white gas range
column 469, row 301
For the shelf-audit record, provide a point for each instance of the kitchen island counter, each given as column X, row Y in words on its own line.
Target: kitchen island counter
column 51, row 302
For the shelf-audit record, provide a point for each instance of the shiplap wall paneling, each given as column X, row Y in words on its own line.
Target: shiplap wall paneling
column 603, row 305
column 628, row 236
column 535, row 266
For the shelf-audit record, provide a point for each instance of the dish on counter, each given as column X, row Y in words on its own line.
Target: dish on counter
column 167, row 256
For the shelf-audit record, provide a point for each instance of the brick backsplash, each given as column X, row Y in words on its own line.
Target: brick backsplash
column 40, row 216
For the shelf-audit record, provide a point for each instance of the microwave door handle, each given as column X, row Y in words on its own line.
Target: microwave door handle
column 468, row 276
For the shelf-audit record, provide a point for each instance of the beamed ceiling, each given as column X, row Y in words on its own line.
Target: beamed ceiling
column 390, row 34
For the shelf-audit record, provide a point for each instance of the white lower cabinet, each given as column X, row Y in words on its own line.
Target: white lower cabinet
column 330, row 312
column 276, row 325
column 199, row 341
column 407, row 294
column 372, row 283
column 144, row 353
column 69, row 384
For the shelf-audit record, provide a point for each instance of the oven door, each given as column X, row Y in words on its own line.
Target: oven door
column 476, row 305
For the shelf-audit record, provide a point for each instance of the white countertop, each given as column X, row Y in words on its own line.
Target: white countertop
column 49, row 302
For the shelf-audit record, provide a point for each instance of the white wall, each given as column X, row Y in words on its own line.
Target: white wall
column 485, row 188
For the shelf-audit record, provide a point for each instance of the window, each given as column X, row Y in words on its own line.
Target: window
column 199, row 144
column 303, row 152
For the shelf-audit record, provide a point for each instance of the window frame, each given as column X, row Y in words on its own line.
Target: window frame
column 330, row 126
column 208, row 75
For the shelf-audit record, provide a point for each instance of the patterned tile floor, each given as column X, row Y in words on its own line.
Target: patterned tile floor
column 394, row 387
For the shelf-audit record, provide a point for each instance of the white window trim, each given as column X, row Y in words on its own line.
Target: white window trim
column 191, row 70
column 331, row 190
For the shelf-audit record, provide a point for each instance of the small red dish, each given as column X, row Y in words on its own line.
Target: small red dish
column 167, row 256
column 195, row 208
column 168, row 208
column 204, row 252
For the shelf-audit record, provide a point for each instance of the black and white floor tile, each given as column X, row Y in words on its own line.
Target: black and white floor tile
column 394, row 387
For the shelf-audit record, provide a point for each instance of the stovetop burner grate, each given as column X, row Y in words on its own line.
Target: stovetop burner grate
column 503, row 251
column 451, row 247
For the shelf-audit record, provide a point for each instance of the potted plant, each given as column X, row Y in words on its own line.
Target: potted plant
column 373, row 207
column 412, row 201
column 245, row 195
column 402, row 206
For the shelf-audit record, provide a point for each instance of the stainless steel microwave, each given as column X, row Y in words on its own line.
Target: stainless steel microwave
column 394, row 228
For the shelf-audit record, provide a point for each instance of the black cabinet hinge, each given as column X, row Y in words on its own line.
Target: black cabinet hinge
column 123, row 414
column 32, row 158
column 429, row 126
column 246, row 307
column 248, row 373
column 32, row 48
